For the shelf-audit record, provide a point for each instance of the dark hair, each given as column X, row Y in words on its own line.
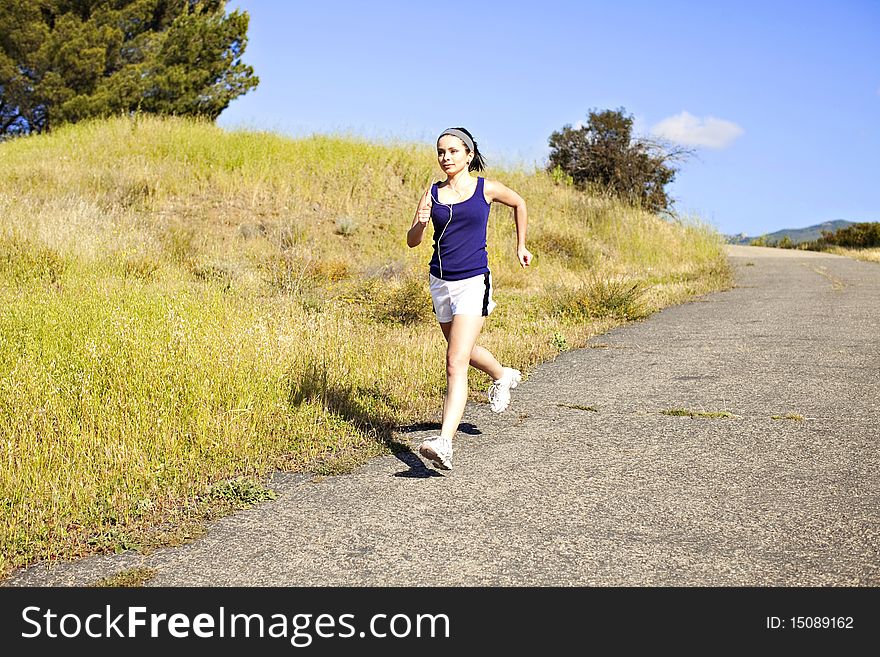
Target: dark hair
column 478, row 163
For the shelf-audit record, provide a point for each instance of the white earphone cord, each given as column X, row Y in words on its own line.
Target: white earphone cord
column 449, row 221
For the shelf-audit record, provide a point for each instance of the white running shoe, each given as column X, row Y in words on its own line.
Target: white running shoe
column 499, row 391
column 438, row 451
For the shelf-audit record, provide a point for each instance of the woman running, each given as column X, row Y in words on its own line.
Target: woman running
column 460, row 281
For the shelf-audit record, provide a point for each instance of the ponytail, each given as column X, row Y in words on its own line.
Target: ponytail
column 478, row 163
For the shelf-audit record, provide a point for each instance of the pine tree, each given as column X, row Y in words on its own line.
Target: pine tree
column 66, row 60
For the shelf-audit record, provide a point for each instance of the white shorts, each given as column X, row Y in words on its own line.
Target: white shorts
column 470, row 296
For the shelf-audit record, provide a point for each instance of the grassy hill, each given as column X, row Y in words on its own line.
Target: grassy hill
column 184, row 310
column 796, row 235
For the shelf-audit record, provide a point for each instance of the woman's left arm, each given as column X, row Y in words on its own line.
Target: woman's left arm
column 496, row 191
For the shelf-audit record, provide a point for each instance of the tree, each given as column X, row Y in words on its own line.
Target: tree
column 862, row 235
column 66, row 60
column 603, row 154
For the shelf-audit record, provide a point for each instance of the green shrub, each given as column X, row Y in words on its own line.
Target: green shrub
column 141, row 267
column 346, row 226
column 599, row 298
column 241, row 492
column 575, row 249
column 24, row 261
column 864, row 235
column 560, row 342
column 405, row 302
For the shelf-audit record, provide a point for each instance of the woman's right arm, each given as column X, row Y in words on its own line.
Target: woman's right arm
column 420, row 221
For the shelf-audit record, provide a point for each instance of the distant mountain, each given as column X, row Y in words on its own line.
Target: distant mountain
column 796, row 235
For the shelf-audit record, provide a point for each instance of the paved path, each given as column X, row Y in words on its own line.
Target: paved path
column 549, row 494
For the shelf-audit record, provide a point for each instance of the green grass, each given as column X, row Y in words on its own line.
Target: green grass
column 182, row 307
column 133, row 577
column 684, row 412
column 578, row 407
column 789, row 416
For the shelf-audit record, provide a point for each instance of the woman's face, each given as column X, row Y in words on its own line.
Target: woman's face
column 452, row 154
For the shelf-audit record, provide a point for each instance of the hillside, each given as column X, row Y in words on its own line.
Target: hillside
column 185, row 309
column 796, row 235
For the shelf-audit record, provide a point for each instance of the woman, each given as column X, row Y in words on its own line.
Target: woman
column 460, row 281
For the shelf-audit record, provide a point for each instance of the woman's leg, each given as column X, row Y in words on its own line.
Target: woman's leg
column 461, row 337
column 481, row 358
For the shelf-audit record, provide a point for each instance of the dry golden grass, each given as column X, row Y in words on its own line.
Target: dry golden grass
column 868, row 255
column 182, row 307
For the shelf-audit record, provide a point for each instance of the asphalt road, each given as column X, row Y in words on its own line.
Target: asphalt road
column 549, row 493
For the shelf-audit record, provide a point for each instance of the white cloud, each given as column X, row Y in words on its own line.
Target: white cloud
column 689, row 130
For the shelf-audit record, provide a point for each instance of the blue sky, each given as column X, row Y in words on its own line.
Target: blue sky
column 780, row 100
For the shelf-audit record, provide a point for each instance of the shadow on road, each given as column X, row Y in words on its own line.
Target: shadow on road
column 417, row 467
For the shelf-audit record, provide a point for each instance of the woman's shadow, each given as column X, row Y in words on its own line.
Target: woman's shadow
column 404, row 452
column 357, row 405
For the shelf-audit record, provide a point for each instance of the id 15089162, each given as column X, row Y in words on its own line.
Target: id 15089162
column 810, row 623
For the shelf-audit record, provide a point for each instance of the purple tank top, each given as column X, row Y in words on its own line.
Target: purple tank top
column 460, row 236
